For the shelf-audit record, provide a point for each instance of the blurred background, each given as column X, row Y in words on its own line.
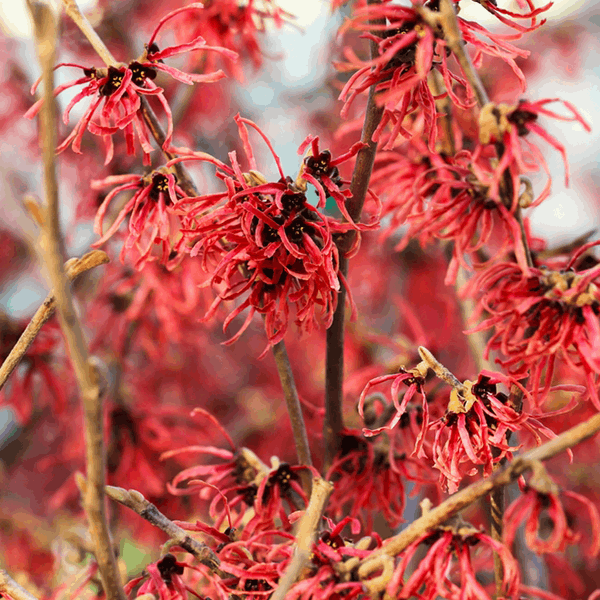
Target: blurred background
column 287, row 85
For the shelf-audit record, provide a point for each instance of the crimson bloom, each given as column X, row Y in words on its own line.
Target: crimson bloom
column 116, row 91
column 153, row 218
column 532, row 503
column 409, row 48
column 263, row 242
column 551, row 313
column 240, row 480
column 509, row 126
column 163, row 578
column 370, row 479
column 448, row 568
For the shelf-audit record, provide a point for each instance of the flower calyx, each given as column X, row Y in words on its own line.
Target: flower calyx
column 566, row 287
column 497, row 119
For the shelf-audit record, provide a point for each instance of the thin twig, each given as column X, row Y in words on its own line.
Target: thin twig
column 321, row 490
column 184, row 179
column 45, row 27
column 334, row 369
column 446, row 18
column 9, row 586
column 74, row 268
column 463, row 498
column 135, row 501
column 286, row 376
column 81, row 21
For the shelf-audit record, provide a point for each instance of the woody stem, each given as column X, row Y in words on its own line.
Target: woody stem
column 334, row 369
column 286, row 376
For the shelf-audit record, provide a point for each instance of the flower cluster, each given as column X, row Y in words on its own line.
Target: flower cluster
column 265, row 241
column 550, row 313
column 115, row 91
column 449, row 567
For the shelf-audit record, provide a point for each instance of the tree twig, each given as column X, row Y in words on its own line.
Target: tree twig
column 9, row 586
column 446, row 18
column 45, row 28
column 321, row 490
column 74, row 268
column 135, row 501
column 463, row 498
column 81, row 21
column 334, row 368
column 286, row 376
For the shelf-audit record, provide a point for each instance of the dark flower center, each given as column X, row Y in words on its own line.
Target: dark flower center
column 139, row 73
column 160, row 185
column 519, row 118
column 320, row 166
column 167, row 566
column 115, row 79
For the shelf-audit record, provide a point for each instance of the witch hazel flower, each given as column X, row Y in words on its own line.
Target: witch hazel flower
column 410, row 45
column 550, row 314
column 506, row 127
column 152, row 211
column 542, row 496
column 475, row 427
column 440, row 197
column 162, row 579
column 450, row 566
column 370, row 479
column 264, row 244
column 115, row 91
column 239, row 481
column 235, row 26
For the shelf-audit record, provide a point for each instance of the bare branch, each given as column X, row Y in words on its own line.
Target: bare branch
column 9, row 586
column 74, row 268
column 321, row 490
column 463, row 498
column 286, row 376
column 81, row 21
column 45, row 27
column 334, row 369
column 135, row 501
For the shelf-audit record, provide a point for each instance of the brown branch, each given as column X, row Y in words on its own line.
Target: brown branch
column 81, row 21
column 45, row 28
column 463, row 498
column 321, row 490
column 184, row 179
column 334, row 366
column 446, row 18
column 135, row 501
column 286, row 376
column 74, row 268
column 9, row 586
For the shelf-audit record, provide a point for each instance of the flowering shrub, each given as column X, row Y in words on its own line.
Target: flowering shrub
column 266, row 368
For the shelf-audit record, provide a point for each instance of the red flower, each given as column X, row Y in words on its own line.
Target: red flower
column 243, row 479
column 117, row 88
column 152, row 210
column 369, row 480
column 509, row 125
column 263, row 241
column 550, row 314
column 440, row 198
column 163, row 579
column 408, row 50
column 447, row 570
column 229, row 24
column 529, row 507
